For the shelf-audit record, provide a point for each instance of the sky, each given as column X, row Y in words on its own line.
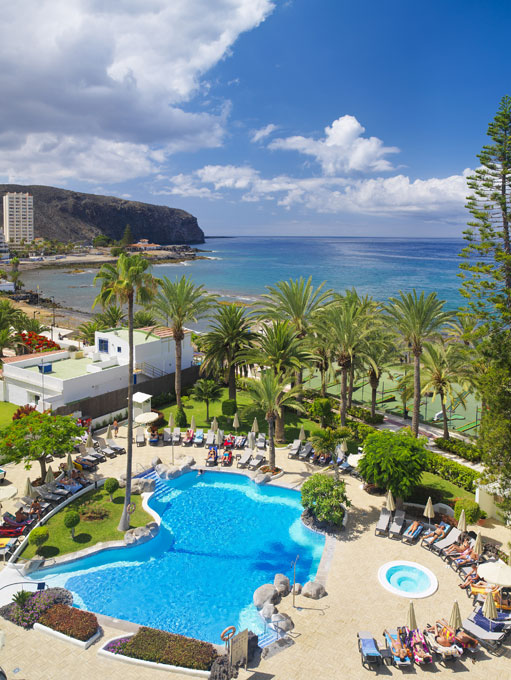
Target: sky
column 260, row 117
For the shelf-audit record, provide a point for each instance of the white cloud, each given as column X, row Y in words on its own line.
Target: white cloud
column 343, row 149
column 262, row 133
column 89, row 72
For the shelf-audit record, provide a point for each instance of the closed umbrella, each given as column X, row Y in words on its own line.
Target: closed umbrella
column 146, row 418
column 455, row 620
column 236, row 421
column 192, row 423
column 478, row 545
column 255, row 426
column 219, row 438
column 89, row 443
column 109, row 432
column 462, row 522
column 70, row 466
column 251, row 441
column 301, row 436
column 29, row 492
column 214, row 425
column 344, row 446
column 50, row 477
column 489, row 608
column 171, row 421
column 428, row 510
column 390, row 501
column 411, row 621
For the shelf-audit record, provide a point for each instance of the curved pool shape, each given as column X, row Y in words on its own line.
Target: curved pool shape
column 221, row 537
column 407, row 579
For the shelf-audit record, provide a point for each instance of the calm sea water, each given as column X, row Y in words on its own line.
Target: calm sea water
column 241, row 267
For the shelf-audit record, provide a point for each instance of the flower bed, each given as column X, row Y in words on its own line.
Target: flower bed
column 69, row 621
column 267, row 470
column 35, row 607
column 158, row 646
column 38, row 343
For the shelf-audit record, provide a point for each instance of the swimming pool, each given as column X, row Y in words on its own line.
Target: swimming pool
column 221, row 537
column 407, row 579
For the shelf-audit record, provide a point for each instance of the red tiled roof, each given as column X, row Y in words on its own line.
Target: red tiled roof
column 35, row 355
column 160, row 331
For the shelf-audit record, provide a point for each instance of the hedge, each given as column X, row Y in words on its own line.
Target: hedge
column 451, row 471
column 70, row 621
column 229, row 407
column 159, row 646
column 460, row 448
column 365, row 415
column 180, row 418
column 472, row 510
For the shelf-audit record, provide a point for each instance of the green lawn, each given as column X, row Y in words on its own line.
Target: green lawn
column 6, row 412
column 88, row 533
column 246, row 413
column 440, row 490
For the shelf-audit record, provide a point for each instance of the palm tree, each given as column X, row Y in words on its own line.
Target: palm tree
column 9, row 340
column 320, row 343
column 112, row 316
column 126, row 283
column 226, row 343
column 325, row 442
column 380, row 353
column 143, row 318
column 178, row 303
column 269, row 394
column 417, row 319
column 87, row 331
column 207, row 391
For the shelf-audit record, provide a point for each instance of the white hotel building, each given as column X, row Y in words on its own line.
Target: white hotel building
column 18, row 217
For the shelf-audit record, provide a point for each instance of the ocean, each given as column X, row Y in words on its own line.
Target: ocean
column 240, row 268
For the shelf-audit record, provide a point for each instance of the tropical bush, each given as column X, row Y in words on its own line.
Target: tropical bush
column 360, row 430
column 460, row 448
column 111, row 485
column 32, row 610
column 451, row 471
column 325, row 498
column 23, row 411
column 71, row 520
column 365, row 415
column 229, row 407
column 321, row 409
column 38, row 537
column 162, row 399
column 472, row 510
column 70, row 621
column 162, row 647
column 22, row 597
column 180, row 417
column 393, row 460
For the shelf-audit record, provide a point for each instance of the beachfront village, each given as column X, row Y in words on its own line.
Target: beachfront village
column 196, row 502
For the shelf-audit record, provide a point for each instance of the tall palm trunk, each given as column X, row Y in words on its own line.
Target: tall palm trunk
column 344, row 395
column 232, row 381
column 444, row 414
column 323, row 381
column 299, row 382
column 271, row 438
column 350, row 388
column 177, row 382
column 374, row 381
column 207, row 410
column 416, row 391
column 124, row 523
column 279, row 428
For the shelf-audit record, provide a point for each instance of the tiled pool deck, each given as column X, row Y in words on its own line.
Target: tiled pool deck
column 325, row 630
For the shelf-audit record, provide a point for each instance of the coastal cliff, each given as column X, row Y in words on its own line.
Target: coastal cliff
column 74, row 216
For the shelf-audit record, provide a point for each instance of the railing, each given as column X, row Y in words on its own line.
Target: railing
column 150, row 370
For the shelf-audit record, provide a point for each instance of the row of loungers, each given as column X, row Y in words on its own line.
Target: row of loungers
column 194, row 438
column 305, row 451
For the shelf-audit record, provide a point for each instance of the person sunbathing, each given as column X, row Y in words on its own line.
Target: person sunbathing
column 36, row 509
column 460, row 637
column 440, row 635
column 472, row 579
column 412, row 528
column 397, row 648
column 437, row 534
column 20, row 516
column 460, row 555
column 466, row 558
column 212, row 455
column 457, row 548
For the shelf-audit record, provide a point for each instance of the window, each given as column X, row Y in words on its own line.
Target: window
column 103, row 345
column 119, row 349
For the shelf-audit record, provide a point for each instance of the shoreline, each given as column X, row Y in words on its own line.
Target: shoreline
column 76, row 263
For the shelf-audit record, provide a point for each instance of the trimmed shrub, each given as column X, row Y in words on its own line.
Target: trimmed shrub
column 111, row 485
column 229, row 407
column 38, row 537
column 365, row 415
column 162, row 647
column 472, row 510
column 360, row 430
column 325, row 498
column 321, row 409
column 180, row 418
column 459, row 448
column 71, row 520
column 162, row 399
column 70, row 621
column 451, row 471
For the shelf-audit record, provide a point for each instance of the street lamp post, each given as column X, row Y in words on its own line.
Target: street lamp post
column 53, row 318
column 294, row 577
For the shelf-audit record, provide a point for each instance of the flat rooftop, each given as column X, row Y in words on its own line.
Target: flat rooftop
column 64, row 369
column 140, row 337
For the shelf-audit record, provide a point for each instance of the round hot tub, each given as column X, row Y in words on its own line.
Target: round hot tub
column 407, row 579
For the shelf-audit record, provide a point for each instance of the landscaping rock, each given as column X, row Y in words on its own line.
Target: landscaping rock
column 156, row 461
column 141, row 534
column 142, row 485
column 262, row 478
column 282, row 584
column 264, row 594
column 122, row 481
column 298, row 588
column 313, row 590
column 186, row 461
column 282, row 622
column 268, row 611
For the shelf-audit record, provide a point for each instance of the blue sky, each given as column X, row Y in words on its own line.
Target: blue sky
column 258, row 116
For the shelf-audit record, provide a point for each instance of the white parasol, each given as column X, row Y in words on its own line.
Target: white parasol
column 146, row 418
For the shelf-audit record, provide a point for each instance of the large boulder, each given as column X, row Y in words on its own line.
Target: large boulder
column 262, row 478
column 282, row 622
column 266, row 593
column 139, row 485
column 297, row 588
column 141, row 534
column 282, row 584
column 156, row 461
column 186, row 461
column 268, row 611
column 314, row 590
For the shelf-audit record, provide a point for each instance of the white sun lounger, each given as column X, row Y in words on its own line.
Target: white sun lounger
column 294, row 449
column 176, row 435
column 382, row 526
column 261, row 441
column 210, row 438
column 256, row 461
column 245, row 459
column 140, row 437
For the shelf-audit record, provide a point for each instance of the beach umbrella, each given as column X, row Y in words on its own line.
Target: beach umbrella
column 498, row 573
column 29, row 492
column 50, row 477
column 214, row 425
column 478, row 545
column 390, row 501
column 236, row 421
column 108, row 432
column 344, row 446
column 462, row 522
column 255, row 426
column 411, row 621
column 301, row 436
column 251, row 441
column 89, row 443
column 428, row 510
column 455, row 619
column 192, row 423
column 172, row 424
column 489, row 608
column 70, row 466
column 219, row 438
column 146, row 418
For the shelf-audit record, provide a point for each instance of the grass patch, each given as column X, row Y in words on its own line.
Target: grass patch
column 440, row 490
column 7, row 410
column 88, row 534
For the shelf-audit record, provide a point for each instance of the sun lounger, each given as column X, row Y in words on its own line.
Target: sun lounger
column 198, row 440
column 391, row 637
column 167, row 436
column 98, row 455
column 411, row 536
column 7, row 546
column 140, row 437
column 397, row 525
column 441, row 546
column 176, row 435
column 227, row 457
column 115, row 446
column 415, row 639
column 212, row 458
column 446, row 653
column 256, row 461
column 154, row 438
column 368, row 648
column 188, row 439
column 294, row 449
column 210, row 438
column 261, row 441
column 502, row 625
column 486, row 638
column 382, row 525
column 245, row 459
column 427, row 543
column 306, row 450
column 240, row 441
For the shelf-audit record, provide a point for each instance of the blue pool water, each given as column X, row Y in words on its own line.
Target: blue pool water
column 221, row 537
column 408, row 579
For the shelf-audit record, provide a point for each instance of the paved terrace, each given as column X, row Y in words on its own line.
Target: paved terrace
column 325, row 630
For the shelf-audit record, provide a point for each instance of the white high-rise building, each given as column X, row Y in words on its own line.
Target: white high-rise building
column 18, row 217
